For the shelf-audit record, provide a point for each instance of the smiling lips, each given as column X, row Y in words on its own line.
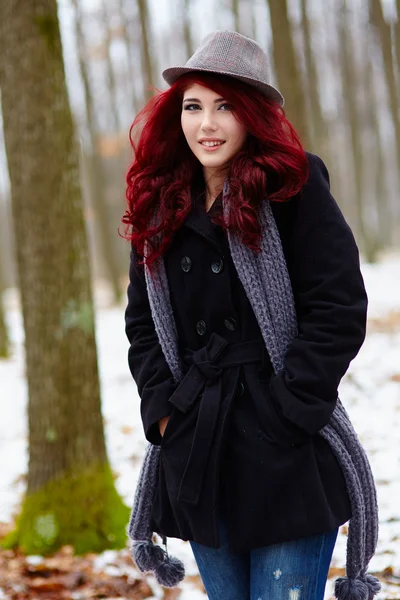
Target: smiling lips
column 211, row 145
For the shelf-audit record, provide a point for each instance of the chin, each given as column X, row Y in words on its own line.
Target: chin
column 212, row 162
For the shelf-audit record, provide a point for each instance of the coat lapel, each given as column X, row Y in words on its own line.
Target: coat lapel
column 199, row 221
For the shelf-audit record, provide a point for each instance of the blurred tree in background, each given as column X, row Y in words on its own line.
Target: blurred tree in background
column 4, row 341
column 70, row 496
column 94, row 163
column 287, row 69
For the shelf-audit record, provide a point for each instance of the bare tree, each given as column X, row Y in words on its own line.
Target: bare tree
column 287, row 69
column 187, row 33
column 385, row 41
column 147, row 59
column 318, row 127
column 70, row 496
column 4, row 338
column 133, row 73
column 349, row 86
column 95, row 168
column 111, row 79
column 379, row 195
column 235, row 11
column 397, row 36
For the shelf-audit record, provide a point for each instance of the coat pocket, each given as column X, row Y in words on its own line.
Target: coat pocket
column 168, row 428
column 276, row 427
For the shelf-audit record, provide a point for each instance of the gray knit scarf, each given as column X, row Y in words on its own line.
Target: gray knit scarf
column 267, row 284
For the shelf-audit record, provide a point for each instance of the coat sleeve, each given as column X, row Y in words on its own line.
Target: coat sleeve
column 146, row 360
column 331, row 305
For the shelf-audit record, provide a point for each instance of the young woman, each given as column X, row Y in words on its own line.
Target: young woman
column 245, row 307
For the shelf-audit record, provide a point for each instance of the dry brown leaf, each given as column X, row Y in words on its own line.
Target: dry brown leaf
column 385, row 324
column 171, row 593
column 196, row 581
column 336, row 572
column 127, row 429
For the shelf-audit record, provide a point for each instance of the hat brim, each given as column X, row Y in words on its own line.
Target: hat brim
column 173, row 73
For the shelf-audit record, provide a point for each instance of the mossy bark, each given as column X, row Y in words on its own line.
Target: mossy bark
column 80, row 508
column 66, row 437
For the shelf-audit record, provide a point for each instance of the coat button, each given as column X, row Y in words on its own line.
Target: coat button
column 230, row 324
column 186, row 264
column 201, row 327
column 217, row 266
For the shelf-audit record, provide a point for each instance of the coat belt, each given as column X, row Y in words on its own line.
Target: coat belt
column 204, row 379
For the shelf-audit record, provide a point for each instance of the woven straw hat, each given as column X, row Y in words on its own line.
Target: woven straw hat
column 233, row 54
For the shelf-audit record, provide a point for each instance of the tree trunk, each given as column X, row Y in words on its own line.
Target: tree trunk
column 318, row 127
column 4, row 338
column 129, row 47
column 349, row 79
column 397, row 37
column 287, row 70
column 70, row 497
column 96, row 172
column 379, row 196
column 235, row 11
column 187, row 33
column 147, row 61
column 385, row 41
column 111, row 82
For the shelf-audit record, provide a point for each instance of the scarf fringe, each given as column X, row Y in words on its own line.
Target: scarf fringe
column 360, row 588
column 150, row 558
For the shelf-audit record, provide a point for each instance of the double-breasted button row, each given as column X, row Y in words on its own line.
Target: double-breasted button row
column 230, row 324
column 201, row 327
column 216, row 265
column 186, row 264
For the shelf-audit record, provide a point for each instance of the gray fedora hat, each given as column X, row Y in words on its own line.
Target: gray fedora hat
column 233, row 54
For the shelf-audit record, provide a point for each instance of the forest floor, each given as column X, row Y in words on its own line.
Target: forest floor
column 370, row 392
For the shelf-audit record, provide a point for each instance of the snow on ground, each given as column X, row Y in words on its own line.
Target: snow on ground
column 370, row 391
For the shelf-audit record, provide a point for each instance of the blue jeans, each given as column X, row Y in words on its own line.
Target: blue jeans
column 295, row 570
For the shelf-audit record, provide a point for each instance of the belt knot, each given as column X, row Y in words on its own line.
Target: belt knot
column 206, row 358
column 204, row 361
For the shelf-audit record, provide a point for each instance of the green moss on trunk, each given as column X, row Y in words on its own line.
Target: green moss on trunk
column 81, row 509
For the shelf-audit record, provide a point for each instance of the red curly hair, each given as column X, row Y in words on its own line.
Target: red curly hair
column 272, row 162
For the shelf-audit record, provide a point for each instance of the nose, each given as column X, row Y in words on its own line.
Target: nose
column 208, row 123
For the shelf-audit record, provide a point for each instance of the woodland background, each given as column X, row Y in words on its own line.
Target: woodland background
column 73, row 74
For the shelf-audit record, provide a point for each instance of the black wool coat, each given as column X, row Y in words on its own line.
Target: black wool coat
column 240, row 439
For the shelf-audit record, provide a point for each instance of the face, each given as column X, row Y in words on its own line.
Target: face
column 211, row 130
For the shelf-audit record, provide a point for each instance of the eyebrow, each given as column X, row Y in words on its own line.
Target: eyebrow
column 197, row 100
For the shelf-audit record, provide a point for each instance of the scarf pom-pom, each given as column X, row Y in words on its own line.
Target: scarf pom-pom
column 170, row 572
column 374, row 586
column 147, row 556
column 351, row 589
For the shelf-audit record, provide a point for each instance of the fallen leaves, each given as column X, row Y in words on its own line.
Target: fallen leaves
column 387, row 323
column 64, row 576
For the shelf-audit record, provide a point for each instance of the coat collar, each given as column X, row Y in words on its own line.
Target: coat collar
column 199, row 221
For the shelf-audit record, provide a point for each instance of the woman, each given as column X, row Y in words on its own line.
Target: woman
column 245, row 307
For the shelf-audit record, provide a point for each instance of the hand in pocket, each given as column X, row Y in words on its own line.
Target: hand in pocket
column 162, row 424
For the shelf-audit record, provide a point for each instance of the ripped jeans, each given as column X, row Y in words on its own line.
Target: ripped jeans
column 295, row 570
